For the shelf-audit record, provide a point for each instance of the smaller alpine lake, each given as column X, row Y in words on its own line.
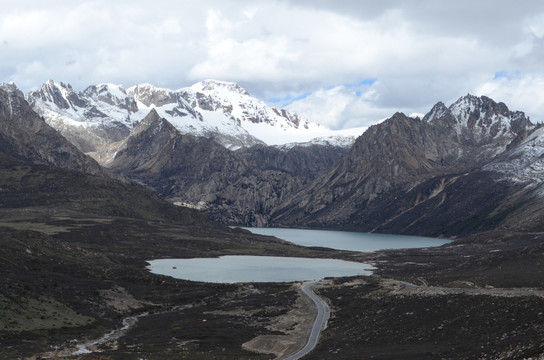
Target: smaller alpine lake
column 241, row 268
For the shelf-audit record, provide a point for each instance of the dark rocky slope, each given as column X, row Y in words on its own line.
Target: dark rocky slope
column 26, row 136
column 240, row 187
column 303, row 161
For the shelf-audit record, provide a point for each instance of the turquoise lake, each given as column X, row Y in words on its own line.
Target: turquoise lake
column 345, row 240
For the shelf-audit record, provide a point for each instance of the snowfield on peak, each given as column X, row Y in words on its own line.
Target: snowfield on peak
column 479, row 116
column 268, row 124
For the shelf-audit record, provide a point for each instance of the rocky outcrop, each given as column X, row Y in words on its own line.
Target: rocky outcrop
column 24, row 135
column 304, row 161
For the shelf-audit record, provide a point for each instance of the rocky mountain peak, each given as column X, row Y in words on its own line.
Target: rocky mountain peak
column 267, row 123
column 153, row 121
column 61, row 95
column 210, row 86
column 479, row 120
column 52, row 84
column 149, row 137
column 438, row 111
column 111, row 94
column 152, row 116
column 11, row 99
column 10, row 88
column 155, row 126
column 150, row 95
column 25, row 135
column 470, row 110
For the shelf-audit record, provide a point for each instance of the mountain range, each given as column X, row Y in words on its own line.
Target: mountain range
column 466, row 168
column 440, row 175
column 223, row 111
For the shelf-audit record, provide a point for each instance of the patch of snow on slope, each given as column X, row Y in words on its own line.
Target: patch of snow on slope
column 340, row 138
column 525, row 163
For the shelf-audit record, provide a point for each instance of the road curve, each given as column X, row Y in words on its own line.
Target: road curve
column 323, row 313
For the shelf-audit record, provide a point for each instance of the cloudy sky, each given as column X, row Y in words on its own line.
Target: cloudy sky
column 343, row 63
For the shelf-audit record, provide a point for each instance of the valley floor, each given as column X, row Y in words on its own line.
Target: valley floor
column 68, row 279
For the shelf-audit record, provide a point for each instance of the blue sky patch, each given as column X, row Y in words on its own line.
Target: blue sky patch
column 503, row 74
column 289, row 99
column 364, row 82
column 286, row 100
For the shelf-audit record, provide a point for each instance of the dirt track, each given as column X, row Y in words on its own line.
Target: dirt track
column 296, row 326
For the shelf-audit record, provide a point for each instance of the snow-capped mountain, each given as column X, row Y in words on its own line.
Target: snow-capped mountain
column 483, row 127
column 224, row 111
column 228, row 100
column 189, row 119
column 478, row 119
column 90, row 119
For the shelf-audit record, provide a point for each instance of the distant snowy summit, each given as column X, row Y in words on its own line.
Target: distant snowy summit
column 224, row 111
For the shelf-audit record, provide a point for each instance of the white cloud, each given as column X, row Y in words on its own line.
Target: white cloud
column 518, row 92
column 420, row 52
column 343, row 106
column 231, row 54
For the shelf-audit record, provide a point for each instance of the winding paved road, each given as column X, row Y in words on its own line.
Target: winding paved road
column 323, row 313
